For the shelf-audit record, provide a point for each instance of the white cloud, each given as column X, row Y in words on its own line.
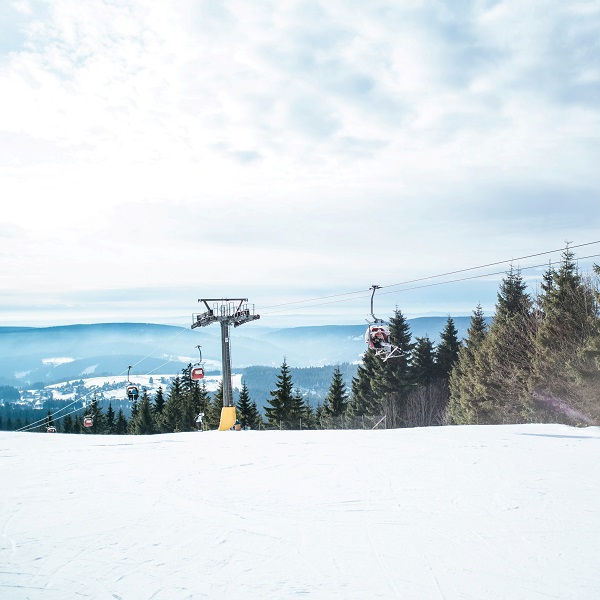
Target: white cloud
column 269, row 141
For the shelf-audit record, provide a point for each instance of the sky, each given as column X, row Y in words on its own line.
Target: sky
column 152, row 154
column 448, row 513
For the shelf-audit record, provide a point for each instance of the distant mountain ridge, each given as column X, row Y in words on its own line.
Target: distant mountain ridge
column 48, row 354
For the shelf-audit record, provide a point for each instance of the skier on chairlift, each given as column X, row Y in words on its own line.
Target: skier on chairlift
column 377, row 336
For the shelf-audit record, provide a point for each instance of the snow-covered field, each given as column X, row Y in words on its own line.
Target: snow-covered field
column 481, row 512
column 151, row 383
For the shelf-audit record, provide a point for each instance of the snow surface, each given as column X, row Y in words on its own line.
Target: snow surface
column 95, row 384
column 480, row 512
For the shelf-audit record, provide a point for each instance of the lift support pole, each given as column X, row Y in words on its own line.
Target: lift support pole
column 226, row 311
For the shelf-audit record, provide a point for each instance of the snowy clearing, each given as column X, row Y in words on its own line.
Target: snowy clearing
column 479, row 512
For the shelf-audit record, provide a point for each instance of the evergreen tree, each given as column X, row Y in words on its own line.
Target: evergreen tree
column 212, row 416
column 393, row 378
column 569, row 320
column 190, row 405
column 203, row 398
column 464, row 376
column 513, row 298
column 297, row 411
column 204, row 405
column 308, row 416
column 159, row 402
column 132, row 416
column 336, row 401
column 363, row 400
column 278, row 411
column 447, row 351
column 143, row 423
column 67, row 423
column 423, row 364
column 587, row 368
column 158, row 411
column 321, row 419
column 247, row 413
column 77, row 425
column 110, row 420
column 393, row 375
column 121, row 426
column 98, row 418
column 174, row 416
column 49, row 419
column 497, row 388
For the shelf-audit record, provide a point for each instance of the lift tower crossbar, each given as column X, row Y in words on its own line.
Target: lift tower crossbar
column 226, row 311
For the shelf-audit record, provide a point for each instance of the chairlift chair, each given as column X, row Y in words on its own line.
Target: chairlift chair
column 132, row 390
column 377, row 336
column 197, row 371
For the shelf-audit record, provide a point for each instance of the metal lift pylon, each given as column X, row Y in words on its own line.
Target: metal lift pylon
column 226, row 311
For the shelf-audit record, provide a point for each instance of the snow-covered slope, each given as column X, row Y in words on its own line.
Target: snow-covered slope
column 482, row 512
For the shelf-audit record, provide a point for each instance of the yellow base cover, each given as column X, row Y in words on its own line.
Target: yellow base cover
column 227, row 418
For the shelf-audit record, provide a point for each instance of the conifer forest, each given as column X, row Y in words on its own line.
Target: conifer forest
column 537, row 360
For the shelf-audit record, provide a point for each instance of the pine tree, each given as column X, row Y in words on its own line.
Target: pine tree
column 393, row 378
column 447, row 351
column 463, row 378
column 494, row 389
column 190, row 391
column 110, row 420
column 77, row 426
column 513, row 298
column 243, row 407
column 212, row 416
column 121, row 426
column 143, row 423
column 278, row 411
column 174, row 408
column 308, row 416
column 67, row 423
column 297, row 411
column 203, row 398
column 97, row 416
column 363, row 399
column 393, row 375
column 158, row 411
column 336, row 401
column 204, row 406
column 423, row 366
column 569, row 319
column 132, row 416
column 247, row 411
column 159, row 401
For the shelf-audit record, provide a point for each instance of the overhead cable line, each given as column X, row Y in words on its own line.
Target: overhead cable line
column 481, row 276
column 493, row 264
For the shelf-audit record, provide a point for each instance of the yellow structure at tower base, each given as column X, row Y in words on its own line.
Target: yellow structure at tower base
column 227, row 418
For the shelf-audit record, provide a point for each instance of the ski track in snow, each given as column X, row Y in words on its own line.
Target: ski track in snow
column 449, row 513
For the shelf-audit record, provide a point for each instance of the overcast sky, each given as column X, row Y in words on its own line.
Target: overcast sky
column 154, row 153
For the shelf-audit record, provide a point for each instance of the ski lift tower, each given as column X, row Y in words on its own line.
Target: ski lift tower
column 227, row 311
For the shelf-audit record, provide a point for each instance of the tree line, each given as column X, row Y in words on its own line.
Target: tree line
column 538, row 360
